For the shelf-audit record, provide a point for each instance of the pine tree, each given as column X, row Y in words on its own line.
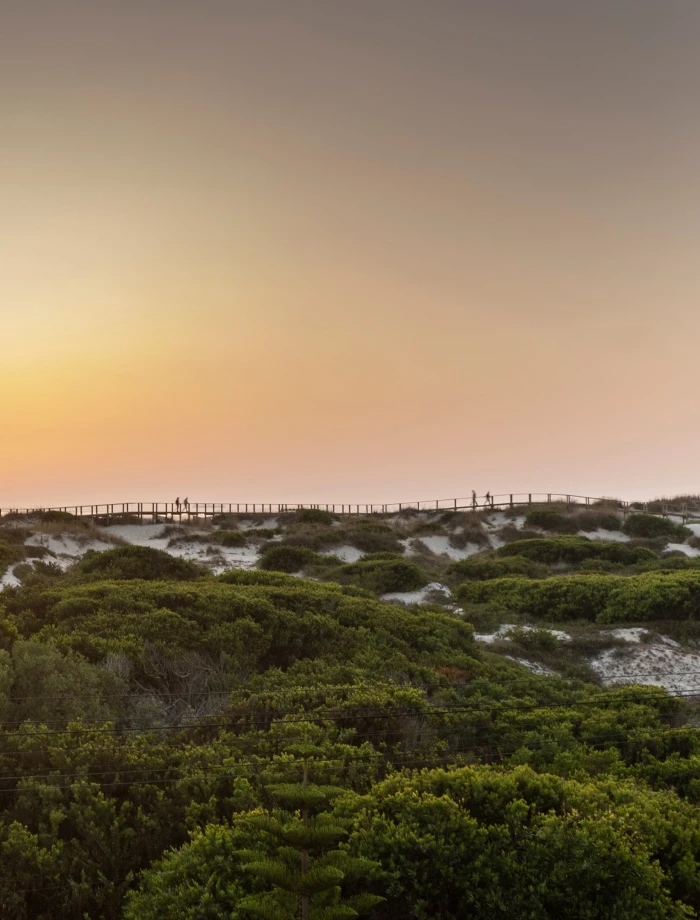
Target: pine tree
column 308, row 869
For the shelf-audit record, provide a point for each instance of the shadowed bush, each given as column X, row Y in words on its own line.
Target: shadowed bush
column 284, row 558
column 10, row 553
column 646, row 525
column 313, row 516
column 373, row 541
column 551, row 520
column 479, row 569
column 572, row 550
column 230, row 538
column 382, row 575
column 57, row 517
column 137, row 562
column 602, row 598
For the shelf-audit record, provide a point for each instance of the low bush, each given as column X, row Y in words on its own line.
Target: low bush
column 280, row 557
column 230, row 538
column 531, row 640
column 649, row 526
column 382, row 575
column 312, row 536
column 554, row 521
column 469, row 537
column 10, row 553
column 569, row 597
column 38, row 552
column 372, row 541
column 57, row 517
column 597, row 520
column 573, row 550
column 268, row 578
column 509, row 533
column 137, row 562
column 427, row 529
column 478, row 568
column 603, row 598
column 313, row 516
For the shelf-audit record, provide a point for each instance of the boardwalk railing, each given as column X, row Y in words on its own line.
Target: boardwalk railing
column 156, row 511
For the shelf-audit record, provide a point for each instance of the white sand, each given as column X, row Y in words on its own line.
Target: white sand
column 502, row 633
column 633, row 635
column 8, row 580
column 607, row 536
column 533, row 666
column 440, row 545
column 683, row 548
column 346, row 553
column 656, row 664
column 66, row 546
column 417, row 597
column 141, row 534
column 269, row 523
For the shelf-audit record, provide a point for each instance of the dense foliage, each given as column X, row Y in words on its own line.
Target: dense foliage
column 174, row 744
column 602, row 598
column 131, row 562
column 553, row 550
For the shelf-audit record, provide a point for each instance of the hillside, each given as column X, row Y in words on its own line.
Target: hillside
column 446, row 689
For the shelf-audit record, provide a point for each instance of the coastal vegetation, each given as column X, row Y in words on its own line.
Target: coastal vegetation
column 338, row 737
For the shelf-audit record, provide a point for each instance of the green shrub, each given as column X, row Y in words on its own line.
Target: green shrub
column 479, row 843
column 382, row 575
column 258, row 577
column 313, row 516
column 546, row 519
column 137, row 562
column 655, row 596
column 373, row 541
column 427, row 528
column 478, row 568
column 560, row 598
column 649, row 526
column 534, row 639
column 10, row 553
column 596, row 520
column 280, row 557
column 231, row 538
column 572, row 550
column 59, row 517
column 603, row 598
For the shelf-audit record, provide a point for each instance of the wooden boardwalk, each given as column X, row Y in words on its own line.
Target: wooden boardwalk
column 160, row 511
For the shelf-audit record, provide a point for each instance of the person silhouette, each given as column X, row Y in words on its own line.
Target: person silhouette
column 177, row 503
column 488, row 498
column 186, row 504
column 473, row 499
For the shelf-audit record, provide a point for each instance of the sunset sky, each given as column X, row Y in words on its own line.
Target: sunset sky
column 348, row 250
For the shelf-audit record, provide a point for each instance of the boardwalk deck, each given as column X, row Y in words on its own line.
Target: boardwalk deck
column 160, row 511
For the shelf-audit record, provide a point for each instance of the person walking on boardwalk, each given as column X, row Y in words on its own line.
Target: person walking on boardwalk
column 488, row 498
column 473, row 500
column 186, row 504
column 177, row 503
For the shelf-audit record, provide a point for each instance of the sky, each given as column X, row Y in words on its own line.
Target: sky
column 334, row 251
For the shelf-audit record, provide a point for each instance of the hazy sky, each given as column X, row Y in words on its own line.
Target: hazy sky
column 348, row 250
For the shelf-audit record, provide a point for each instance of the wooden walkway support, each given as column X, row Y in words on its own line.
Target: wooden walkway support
column 169, row 511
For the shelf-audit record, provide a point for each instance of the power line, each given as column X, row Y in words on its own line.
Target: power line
column 542, row 680
column 365, row 712
column 409, row 757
